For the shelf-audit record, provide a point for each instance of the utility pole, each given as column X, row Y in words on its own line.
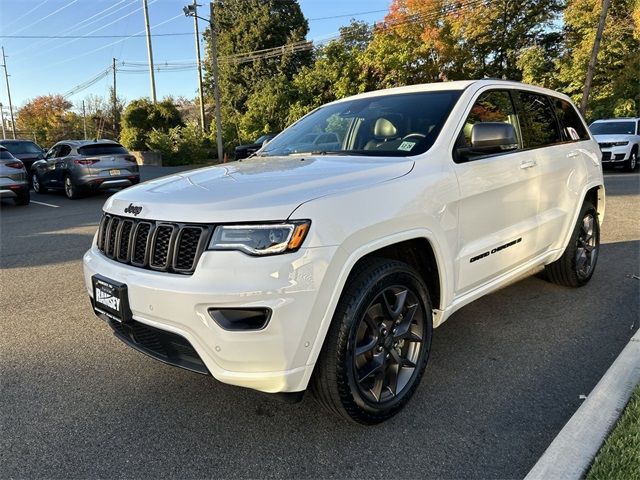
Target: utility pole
column 6, row 76
column 4, row 134
column 216, row 86
column 84, row 120
column 149, row 52
column 197, row 33
column 115, row 101
column 594, row 57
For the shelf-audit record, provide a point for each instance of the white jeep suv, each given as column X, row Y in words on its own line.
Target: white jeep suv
column 619, row 140
column 329, row 268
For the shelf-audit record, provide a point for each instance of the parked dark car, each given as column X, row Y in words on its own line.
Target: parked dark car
column 13, row 178
column 243, row 151
column 82, row 166
column 24, row 150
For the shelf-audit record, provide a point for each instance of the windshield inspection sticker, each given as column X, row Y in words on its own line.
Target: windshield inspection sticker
column 406, row 146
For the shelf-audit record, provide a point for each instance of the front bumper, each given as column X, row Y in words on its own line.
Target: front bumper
column 273, row 359
column 613, row 155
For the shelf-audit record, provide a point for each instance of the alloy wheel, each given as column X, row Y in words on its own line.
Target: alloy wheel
column 587, row 246
column 68, row 187
column 388, row 343
column 35, row 182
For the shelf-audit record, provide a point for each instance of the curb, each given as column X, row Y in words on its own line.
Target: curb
column 572, row 451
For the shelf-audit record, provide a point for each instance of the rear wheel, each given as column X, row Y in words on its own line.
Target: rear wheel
column 378, row 344
column 23, row 198
column 578, row 262
column 71, row 190
column 38, row 187
column 632, row 163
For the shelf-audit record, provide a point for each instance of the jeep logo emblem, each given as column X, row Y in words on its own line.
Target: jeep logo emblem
column 133, row 209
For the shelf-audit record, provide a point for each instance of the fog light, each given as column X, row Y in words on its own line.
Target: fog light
column 241, row 319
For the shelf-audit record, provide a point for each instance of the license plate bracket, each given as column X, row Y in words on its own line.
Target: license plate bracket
column 110, row 299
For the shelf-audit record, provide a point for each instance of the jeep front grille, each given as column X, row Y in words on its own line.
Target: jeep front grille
column 155, row 245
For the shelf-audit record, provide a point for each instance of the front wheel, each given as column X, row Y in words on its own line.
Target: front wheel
column 578, row 262
column 378, row 343
column 38, row 187
column 632, row 163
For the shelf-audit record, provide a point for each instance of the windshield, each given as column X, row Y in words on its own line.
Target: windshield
column 103, row 149
column 22, row 147
column 392, row 125
column 613, row 128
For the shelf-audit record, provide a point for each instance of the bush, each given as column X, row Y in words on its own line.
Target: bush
column 181, row 145
column 142, row 117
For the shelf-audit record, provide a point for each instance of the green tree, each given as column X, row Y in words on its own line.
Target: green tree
column 338, row 71
column 246, row 26
column 141, row 117
column 616, row 82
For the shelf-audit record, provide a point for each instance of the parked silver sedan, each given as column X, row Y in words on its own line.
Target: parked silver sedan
column 14, row 182
column 82, row 166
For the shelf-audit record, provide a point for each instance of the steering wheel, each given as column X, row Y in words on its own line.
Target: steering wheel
column 414, row 136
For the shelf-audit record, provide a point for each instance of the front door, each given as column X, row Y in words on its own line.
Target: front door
column 498, row 203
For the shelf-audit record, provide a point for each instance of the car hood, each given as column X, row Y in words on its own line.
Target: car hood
column 613, row 138
column 252, row 190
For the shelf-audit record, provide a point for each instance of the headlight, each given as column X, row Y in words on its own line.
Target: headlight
column 620, row 144
column 264, row 239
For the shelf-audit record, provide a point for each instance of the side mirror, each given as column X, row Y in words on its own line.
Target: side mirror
column 493, row 137
column 489, row 138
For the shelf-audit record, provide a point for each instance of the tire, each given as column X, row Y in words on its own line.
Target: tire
column 23, row 199
column 578, row 262
column 360, row 386
column 631, row 164
column 71, row 190
column 36, row 182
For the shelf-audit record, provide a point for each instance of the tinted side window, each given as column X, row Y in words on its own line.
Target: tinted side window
column 491, row 106
column 63, row 151
column 572, row 126
column 539, row 126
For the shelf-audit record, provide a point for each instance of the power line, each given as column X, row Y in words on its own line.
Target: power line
column 93, row 36
column 347, row 15
column 46, row 16
column 26, row 14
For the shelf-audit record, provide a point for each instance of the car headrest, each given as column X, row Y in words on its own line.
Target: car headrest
column 383, row 128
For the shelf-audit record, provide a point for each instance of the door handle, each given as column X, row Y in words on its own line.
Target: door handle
column 528, row 164
column 573, row 154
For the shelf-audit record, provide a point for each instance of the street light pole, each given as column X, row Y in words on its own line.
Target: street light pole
column 200, row 90
column 216, row 86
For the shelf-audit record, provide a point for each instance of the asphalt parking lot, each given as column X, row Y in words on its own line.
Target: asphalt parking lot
column 506, row 373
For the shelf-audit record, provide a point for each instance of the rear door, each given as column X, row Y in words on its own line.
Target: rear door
column 110, row 159
column 499, row 199
column 555, row 134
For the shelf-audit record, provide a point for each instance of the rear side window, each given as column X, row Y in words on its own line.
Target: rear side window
column 491, row 106
column 539, row 126
column 103, row 149
column 570, row 122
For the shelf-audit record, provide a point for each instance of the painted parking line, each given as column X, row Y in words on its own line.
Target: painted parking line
column 46, row 204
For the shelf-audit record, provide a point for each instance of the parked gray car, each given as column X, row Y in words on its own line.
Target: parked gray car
column 14, row 182
column 82, row 166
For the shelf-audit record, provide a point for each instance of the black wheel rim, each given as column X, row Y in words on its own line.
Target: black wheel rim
column 388, row 343
column 587, row 246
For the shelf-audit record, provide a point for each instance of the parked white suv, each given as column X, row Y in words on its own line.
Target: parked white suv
column 619, row 140
column 329, row 269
